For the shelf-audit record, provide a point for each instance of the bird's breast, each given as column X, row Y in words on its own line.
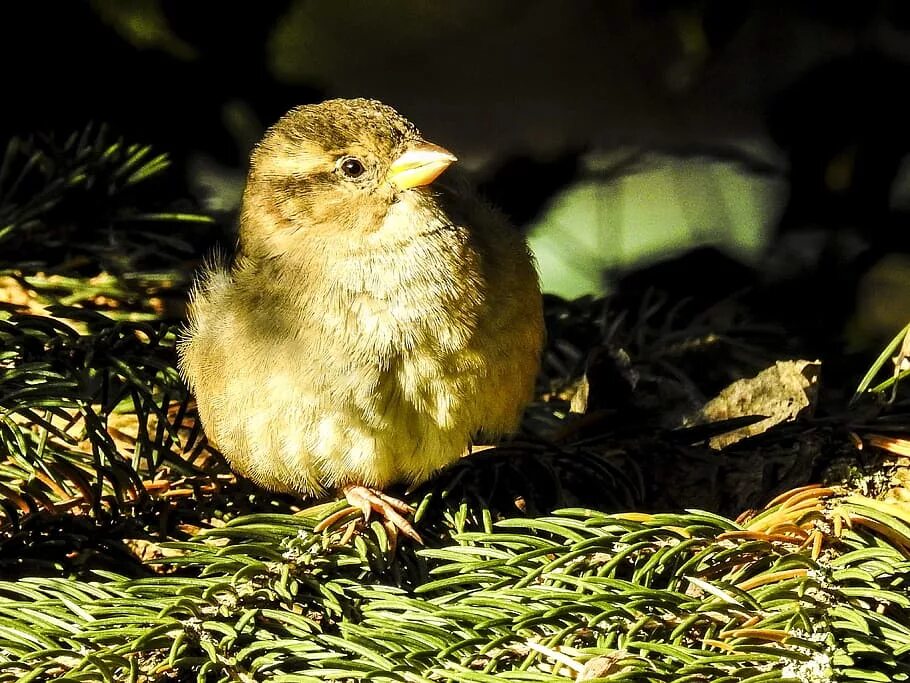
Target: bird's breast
column 424, row 295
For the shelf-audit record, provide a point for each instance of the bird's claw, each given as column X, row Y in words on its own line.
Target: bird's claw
column 391, row 509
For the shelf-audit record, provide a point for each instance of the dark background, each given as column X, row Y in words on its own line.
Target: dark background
column 811, row 95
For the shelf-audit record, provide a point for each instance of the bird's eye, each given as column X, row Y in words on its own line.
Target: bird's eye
column 352, row 168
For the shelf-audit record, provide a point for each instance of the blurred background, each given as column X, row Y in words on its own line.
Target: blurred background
column 703, row 147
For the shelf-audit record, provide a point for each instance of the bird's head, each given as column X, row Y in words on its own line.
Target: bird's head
column 334, row 169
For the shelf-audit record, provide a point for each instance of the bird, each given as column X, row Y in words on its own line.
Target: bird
column 375, row 320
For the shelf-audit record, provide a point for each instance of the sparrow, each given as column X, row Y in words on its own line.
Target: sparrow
column 372, row 322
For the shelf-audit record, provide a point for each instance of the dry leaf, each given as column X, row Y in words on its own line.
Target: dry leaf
column 781, row 393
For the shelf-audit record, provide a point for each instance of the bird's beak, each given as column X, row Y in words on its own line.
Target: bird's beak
column 420, row 164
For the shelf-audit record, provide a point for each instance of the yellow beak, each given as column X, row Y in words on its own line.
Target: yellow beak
column 421, row 163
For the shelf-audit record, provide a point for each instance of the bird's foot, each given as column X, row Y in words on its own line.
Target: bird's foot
column 390, row 509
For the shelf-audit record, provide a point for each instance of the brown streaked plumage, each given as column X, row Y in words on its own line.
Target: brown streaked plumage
column 372, row 322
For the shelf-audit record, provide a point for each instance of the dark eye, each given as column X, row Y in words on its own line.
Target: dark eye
column 352, row 168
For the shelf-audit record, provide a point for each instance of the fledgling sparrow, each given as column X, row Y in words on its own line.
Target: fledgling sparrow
column 371, row 324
